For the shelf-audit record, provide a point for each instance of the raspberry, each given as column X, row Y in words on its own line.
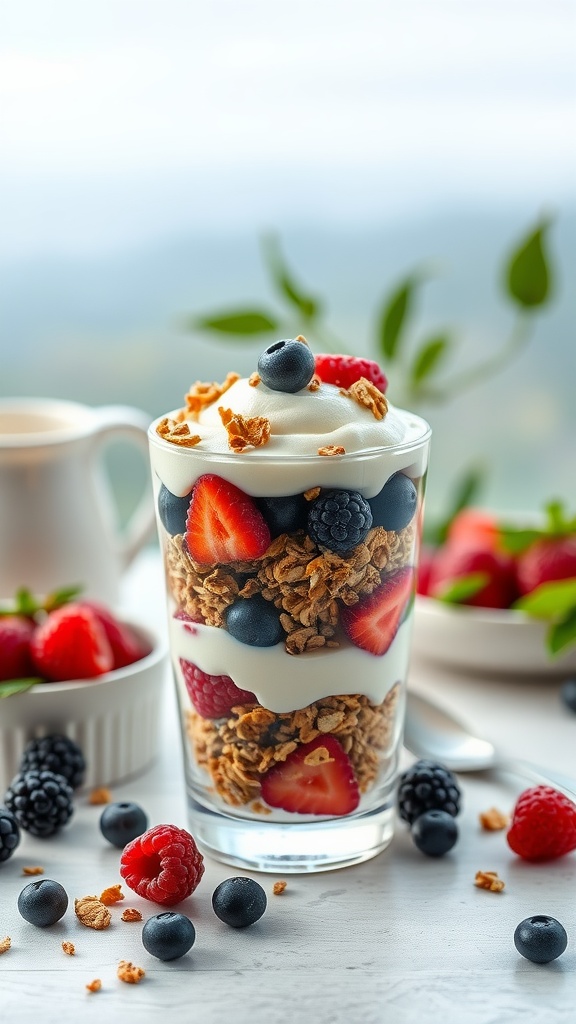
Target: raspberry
column 163, row 865
column 212, row 696
column 344, row 370
column 543, row 824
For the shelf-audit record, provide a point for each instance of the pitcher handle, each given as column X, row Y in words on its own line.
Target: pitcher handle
column 127, row 422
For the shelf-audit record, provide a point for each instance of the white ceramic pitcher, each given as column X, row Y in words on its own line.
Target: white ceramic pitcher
column 57, row 519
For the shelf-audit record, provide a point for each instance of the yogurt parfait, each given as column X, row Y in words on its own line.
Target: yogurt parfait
column 288, row 506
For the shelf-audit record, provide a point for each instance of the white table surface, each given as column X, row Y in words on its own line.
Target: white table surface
column 402, row 938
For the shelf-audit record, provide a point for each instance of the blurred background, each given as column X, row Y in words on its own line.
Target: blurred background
column 148, row 147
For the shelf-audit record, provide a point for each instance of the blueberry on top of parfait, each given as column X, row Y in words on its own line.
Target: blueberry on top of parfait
column 286, row 365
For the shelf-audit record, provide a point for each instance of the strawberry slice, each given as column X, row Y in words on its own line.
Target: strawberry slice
column 224, row 524
column 317, row 778
column 373, row 623
column 71, row 644
column 345, row 370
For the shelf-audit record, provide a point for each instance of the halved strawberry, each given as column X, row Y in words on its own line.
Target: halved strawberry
column 345, row 370
column 373, row 623
column 224, row 524
column 317, row 778
column 71, row 644
column 126, row 646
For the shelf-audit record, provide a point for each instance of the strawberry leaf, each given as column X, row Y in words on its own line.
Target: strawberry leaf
column 562, row 634
column 60, row 597
column 9, row 687
column 516, row 540
column 550, row 601
column 463, row 587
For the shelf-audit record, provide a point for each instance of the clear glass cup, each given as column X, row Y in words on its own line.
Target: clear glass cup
column 297, row 771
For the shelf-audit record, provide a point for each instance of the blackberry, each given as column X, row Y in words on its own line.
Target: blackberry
column 56, row 754
column 427, row 786
column 9, row 834
column 339, row 520
column 40, row 801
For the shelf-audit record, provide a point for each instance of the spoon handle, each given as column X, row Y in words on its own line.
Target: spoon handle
column 544, row 776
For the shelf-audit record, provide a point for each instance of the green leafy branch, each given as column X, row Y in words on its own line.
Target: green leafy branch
column 422, row 370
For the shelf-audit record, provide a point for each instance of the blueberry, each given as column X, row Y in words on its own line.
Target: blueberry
column 394, row 507
column 43, row 903
column 434, row 833
column 285, row 514
column 168, row 936
column 568, row 694
column 9, row 834
column 239, row 901
column 173, row 511
column 540, row 938
column 254, row 621
column 122, row 822
column 339, row 520
column 286, row 366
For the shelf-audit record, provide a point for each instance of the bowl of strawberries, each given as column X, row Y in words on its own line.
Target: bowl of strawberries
column 72, row 667
column 498, row 594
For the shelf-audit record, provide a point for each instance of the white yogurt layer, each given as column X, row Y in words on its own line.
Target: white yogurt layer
column 284, row 682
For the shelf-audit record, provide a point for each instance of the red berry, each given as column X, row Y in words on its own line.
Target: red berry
column 71, row 644
column 127, row 647
column 452, row 561
column 317, row 778
column 213, row 696
column 425, row 563
column 344, row 370
column 224, row 524
column 548, row 559
column 475, row 528
column 373, row 623
column 543, row 824
column 163, row 865
column 15, row 658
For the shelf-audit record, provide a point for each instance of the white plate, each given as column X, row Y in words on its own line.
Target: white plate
column 498, row 641
column 113, row 719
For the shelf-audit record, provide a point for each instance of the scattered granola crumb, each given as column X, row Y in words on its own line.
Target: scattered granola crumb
column 94, row 986
column 69, row 948
column 279, row 887
column 100, row 795
column 254, row 379
column 113, row 894
column 200, row 395
column 366, row 393
column 177, row 433
column 312, row 493
column 332, row 449
column 131, row 914
column 5, row 944
column 489, row 880
column 244, row 431
column 129, row 973
column 493, row 820
column 91, row 912
column 300, row 337
column 314, row 383
column 34, row 869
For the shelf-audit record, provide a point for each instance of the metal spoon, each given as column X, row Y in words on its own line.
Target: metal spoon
column 432, row 732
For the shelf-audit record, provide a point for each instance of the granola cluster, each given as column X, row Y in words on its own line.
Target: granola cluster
column 308, row 585
column 238, row 751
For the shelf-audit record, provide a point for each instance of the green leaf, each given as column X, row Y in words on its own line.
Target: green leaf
column 284, row 281
column 550, row 601
column 239, row 322
column 465, row 492
column 26, row 603
column 9, row 687
column 428, row 357
column 562, row 634
column 61, row 597
column 464, row 587
column 396, row 311
column 527, row 273
column 515, row 541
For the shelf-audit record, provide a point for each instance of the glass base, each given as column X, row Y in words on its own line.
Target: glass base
column 291, row 849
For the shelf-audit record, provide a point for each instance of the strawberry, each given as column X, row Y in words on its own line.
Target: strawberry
column 317, row 778
column 224, row 525
column 373, row 623
column 425, row 562
column 543, row 824
column 475, row 528
column 212, row 696
column 127, row 647
column 548, row 559
column 345, row 370
column 16, row 633
column 496, row 583
column 71, row 644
